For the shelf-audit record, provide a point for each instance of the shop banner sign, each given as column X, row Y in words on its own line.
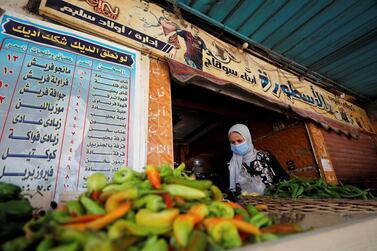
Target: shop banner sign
column 144, row 25
column 66, row 103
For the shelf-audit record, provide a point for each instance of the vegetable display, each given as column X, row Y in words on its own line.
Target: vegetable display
column 299, row 187
column 160, row 209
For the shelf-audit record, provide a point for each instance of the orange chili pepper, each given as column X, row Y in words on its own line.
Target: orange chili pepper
column 234, row 205
column 153, row 176
column 261, row 207
column 245, row 226
column 110, row 217
column 201, row 210
column 240, row 224
column 84, row 218
column 119, row 197
column 76, row 226
column 103, row 221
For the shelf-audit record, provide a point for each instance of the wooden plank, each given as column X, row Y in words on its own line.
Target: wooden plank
column 321, row 153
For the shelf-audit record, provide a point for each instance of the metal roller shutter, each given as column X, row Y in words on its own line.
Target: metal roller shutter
column 354, row 159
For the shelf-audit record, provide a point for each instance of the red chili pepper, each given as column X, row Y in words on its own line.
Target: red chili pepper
column 238, row 217
column 95, row 195
column 167, row 200
column 153, row 176
column 281, row 228
column 243, row 235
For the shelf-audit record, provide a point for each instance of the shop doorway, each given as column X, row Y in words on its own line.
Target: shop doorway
column 202, row 118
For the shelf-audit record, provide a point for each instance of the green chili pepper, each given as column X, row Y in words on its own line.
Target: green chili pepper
column 71, row 235
column 185, row 192
column 67, row 247
column 18, row 244
column 75, row 208
column 200, row 209
column 155, row 244
column 122, row 227
column 45, row 244
column 146, row 186
column 315, row 188
column 117, row 198
column 212, row 245
column 165, row 170
column 91, row 206
column 252, row 210
column 35, row 228
column 61, row 217
column 122, row 186
column 268, row 237
column 130, row 216
column 260, row 220
column 198, row 241
column 216, row 193
column 221, row 209
column 164, row 218
column 243, row 213
column 126, row 174
column 98, row 241
column 151, row 201
column 226, row 234
column 179, row 170
column 96, row 182
column 364, row 196
column 300, row 191
column 133, row 248
column 199, row 184
column 182, row 228
column 294, row 190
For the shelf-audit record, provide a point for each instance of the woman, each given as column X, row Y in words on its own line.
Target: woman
column 250, row 170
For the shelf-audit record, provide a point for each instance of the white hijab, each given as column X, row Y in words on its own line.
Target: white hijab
column 237, row 160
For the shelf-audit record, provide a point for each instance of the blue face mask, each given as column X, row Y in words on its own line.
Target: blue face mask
column 240, row 149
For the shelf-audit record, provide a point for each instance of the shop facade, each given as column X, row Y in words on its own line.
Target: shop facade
column 174, row 71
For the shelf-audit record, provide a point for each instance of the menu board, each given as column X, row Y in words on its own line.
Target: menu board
column 65, row 106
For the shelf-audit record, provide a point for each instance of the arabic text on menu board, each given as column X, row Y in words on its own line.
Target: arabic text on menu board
column 64, row 107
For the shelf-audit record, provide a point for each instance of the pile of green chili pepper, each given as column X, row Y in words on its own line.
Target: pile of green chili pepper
column 160, row 209
column 299, row 187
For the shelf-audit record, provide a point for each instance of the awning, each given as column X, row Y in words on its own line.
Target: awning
column 187, row 75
